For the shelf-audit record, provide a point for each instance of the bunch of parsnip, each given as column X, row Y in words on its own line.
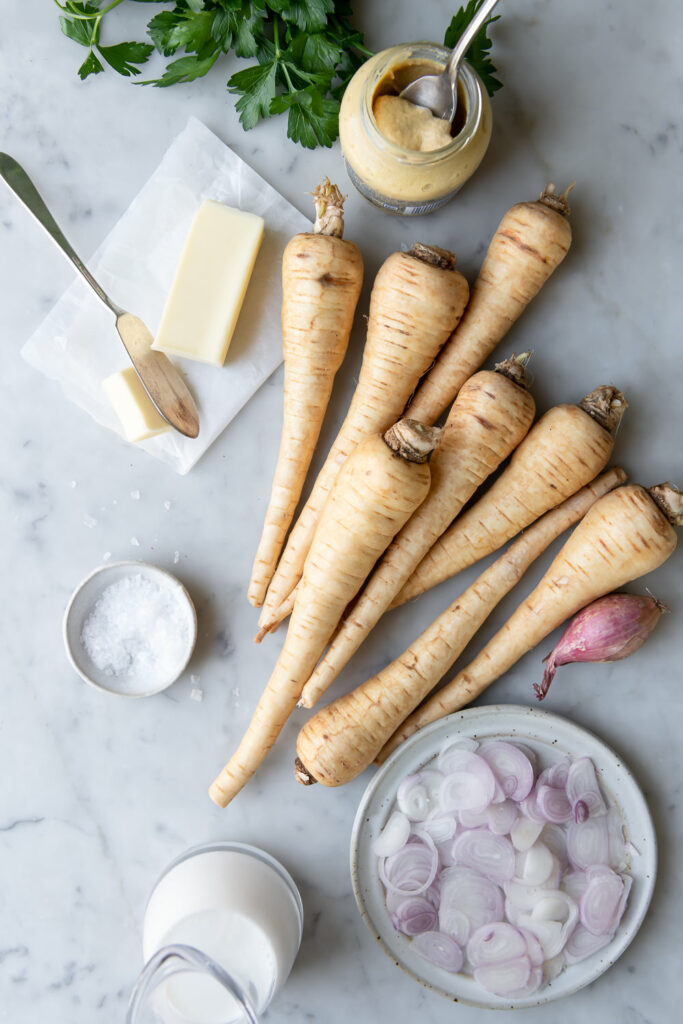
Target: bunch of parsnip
column 382, row 523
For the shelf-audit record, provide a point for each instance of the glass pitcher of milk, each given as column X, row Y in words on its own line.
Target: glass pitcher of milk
column 221, row 932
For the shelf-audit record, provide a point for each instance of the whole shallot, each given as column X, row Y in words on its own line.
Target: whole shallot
column 609, row 629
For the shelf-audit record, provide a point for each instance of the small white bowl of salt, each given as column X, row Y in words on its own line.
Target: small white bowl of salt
column 130, row 629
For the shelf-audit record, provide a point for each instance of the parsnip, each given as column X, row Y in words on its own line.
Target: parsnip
column 378, row 489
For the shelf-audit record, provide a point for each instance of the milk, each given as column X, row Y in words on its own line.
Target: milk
column 236, row 905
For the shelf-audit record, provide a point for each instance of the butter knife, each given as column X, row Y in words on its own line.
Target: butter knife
column 160, row 379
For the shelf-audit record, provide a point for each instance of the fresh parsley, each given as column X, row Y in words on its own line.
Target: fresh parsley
column 305, row 53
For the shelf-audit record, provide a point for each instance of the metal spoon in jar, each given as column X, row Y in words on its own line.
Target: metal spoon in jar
column 439, row 93
column 160, row 379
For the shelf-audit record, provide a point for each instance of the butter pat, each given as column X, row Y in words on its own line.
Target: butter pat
column 133, row 406
column 210, row 283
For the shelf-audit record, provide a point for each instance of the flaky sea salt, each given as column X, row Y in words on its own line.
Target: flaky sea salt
column 196, row 693
column 138, row 633
column 135, row 495
column 135, row 542
column 106, row 556
column 167, row 506
column 176, row 557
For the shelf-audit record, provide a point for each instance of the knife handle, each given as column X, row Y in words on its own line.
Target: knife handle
column 24, row 189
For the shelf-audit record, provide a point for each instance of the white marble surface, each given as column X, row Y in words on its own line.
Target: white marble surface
column 98, row 793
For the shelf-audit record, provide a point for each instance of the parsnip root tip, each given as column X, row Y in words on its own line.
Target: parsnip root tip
column 329, row 209
column 302, row 774
column 556, row 201
column 434, row 255
column 668, row 497
column 606, row 404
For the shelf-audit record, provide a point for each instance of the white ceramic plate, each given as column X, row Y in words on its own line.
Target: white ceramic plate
column 550, row 737
column 81, row 604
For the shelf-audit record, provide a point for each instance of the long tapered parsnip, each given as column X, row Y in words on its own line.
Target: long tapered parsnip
column 340, row 741
column 531, row 241
column 322, row 275
column 568, row 446
column 417, row 299
column 626, row 534
column 487, row 421
column 377, row 490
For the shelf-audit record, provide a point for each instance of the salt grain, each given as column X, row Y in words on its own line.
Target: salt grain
column 135, row 542
column 135, row 495
column 106, row 556
column 176, row 557
column 73, row 483
column 89, row 521
column 138, row 633
column 196, row 694
column 167, row 506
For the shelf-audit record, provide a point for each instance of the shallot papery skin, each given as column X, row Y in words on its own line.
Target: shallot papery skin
column 609, row 629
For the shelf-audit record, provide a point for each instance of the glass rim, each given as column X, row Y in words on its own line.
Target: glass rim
column 229, row 845
column 467, row 76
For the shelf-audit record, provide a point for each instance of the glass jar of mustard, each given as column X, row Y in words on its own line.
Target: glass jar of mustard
column 405, row 180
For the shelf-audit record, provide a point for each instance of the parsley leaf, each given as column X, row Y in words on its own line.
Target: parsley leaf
column 478, row 54
column 124, row 56
column 256, row 88
column 90, row 66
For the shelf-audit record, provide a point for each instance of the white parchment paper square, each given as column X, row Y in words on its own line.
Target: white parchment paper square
column 77, row 343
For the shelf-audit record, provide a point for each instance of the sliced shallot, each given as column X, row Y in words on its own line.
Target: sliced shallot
column 413, row 799
column 412, row 869
column 588, row 842
column 495, row 943
column 469, row 786
column 501, row 817
column 439, row 949
column 503, row 979
column 414, row 914
column 601, row 900
column 512, row 768
column 477, row 897
column 553, row 804
column 582, row 787
column 491, row 855
column 393, row 836
column 582, row 943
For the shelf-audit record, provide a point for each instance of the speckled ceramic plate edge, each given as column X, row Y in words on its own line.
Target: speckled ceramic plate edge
column 543, row 731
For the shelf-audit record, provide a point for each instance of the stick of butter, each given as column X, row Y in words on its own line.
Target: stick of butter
column 133, row 406
column 210, row 283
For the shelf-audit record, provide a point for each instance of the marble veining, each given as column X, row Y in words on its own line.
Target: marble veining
column 98, row 794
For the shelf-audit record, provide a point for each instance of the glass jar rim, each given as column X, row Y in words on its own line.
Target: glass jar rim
column 467, row 76
column 232, row 846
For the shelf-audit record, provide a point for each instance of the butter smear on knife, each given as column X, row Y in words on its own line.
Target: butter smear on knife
column 210, row 283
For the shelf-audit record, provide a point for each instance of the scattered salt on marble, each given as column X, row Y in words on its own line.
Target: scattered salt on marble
column 106, row 556
column 196, row 693
column 176, row 557
column 135, row 495
column 135, row 542
column 137, row 633
column 167, row 506
column 89, row 521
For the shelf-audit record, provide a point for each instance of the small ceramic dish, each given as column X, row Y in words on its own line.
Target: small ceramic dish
column 551, row 738
column 84, row 599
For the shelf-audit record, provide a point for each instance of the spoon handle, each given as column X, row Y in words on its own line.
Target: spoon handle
column 24, row 189
column 463, row 44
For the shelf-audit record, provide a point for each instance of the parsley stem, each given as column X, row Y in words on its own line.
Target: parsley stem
column 76, row 16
